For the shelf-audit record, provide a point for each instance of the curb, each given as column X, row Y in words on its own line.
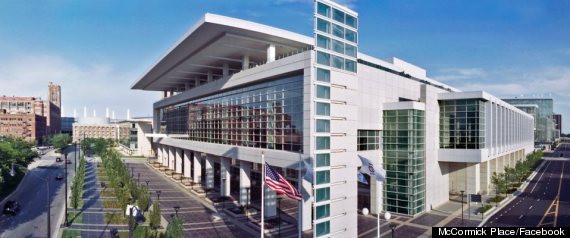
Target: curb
column 514, row 195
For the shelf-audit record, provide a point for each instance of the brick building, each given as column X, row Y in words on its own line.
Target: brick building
column 31, row 117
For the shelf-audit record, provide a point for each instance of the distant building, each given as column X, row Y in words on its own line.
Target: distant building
column 544, row 123
column 137, row 143
column 99, row 127
column 67, row 125
column 558, row 123
column 19, row 109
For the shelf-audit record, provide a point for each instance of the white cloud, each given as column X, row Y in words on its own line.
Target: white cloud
column 95, row 85
column 452, row 74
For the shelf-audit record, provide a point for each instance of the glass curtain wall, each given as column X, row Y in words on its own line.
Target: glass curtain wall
column 462, row 124
column 403, row 145
column 265, row 115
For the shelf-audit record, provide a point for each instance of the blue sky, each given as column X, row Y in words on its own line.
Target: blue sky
column 97, row 49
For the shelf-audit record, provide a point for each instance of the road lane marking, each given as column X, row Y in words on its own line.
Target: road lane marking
column 558, row 195
column 538, row 200
column 543, row 172
column 530, row 208
column 521, row 216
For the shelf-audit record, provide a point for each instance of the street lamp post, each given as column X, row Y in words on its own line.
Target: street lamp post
column 462, row 206
column 387, row 217
column 139, row 178
column 132, row 171
column 65, row 174
column 75, row 155
column 147, row 181
column 176, row 208
column 158, row 192
column 393, row 228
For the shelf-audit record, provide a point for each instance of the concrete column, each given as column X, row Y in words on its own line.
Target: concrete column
column 187, row 163
column 179, row 157
column 225, row 178
column 164, row 94
column 270, row 53
column 209, row 171
column 485, row 177
column 159, row 153
column 197, row 167
column 171, row 158
column 165, row 155
column 501, row 164
column 244, row 182
column 196, row 82
column 210, row 76
column 225, row 70
column 374, row 196
column 186, row 85
column 245, row 62
column 306, row 205
column 473, row 178
column 270, row 202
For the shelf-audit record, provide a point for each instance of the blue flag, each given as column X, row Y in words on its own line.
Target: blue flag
column 361, row 178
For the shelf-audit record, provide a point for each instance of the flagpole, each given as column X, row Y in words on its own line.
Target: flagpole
column 299, row 183
column 262, row 193
column 377, row 209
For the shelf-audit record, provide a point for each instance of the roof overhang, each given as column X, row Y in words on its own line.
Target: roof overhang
column 213, row 42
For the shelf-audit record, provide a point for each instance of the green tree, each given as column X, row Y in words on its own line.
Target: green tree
column 175, row 229
column 60, row 141
column 510, row 174
column 498, row 180
column 154, row 219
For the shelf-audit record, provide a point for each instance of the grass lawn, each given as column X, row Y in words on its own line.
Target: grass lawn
column 116, row 218
column 75, row 217
column 107, row 193
column 111, row 204
column 67, row 233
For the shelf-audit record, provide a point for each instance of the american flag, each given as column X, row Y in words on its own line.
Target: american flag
column 279, row 184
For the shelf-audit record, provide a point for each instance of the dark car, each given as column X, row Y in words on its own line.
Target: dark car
column 57, row 159
column 11, row 208
column 59, row 177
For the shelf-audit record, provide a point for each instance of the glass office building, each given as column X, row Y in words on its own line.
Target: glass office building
column 544, row 117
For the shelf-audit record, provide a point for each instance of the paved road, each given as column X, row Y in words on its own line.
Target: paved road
column 539, row 205
column 31, row 194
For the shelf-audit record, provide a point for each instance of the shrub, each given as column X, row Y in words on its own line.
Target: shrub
column 154, row 219
column 175, row 228
column 485, row 208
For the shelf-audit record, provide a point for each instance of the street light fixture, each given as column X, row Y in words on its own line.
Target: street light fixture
column 147, row 181
column 387, row 217
column 65, row 175
column 462, row 206
column 158, row 192
column 176, row 208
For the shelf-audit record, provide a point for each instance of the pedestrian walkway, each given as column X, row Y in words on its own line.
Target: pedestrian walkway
column 92, row 223
column 199, row 218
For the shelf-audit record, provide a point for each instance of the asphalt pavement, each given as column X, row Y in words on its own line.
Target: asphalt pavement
column 32, row 194
column 545, row 201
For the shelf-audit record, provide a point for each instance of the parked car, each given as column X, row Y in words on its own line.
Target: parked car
column 59, row 177
column 11, row 208
column 58, row 159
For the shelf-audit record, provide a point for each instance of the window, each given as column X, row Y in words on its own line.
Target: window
column 350, row 21
column 323, row 9
column 338, row 15
column 323, row 109
column 323, row 58
column 338, row 31
column 337, row 62
column 323, row 160
column 322, row 194
column 323, row 26
column 349, row 35
column 350, row 50
column 323, row 228
column 323, row 92
column 368, row 140
column 323, row 177
column 338, row 46
column 323, row 211
column 323, row 42
column 323, row 75
column 350, row 65
column 323, row 143
column 323, row 125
